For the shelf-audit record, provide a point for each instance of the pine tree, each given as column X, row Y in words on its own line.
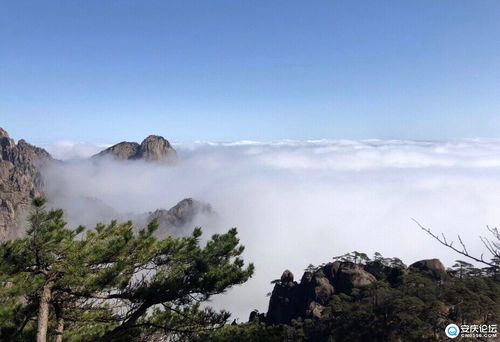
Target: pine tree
column 37, row 262
column 112, row 283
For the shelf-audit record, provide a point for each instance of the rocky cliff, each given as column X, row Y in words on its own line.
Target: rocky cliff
column 179, row 215
column 309, row 297
column 152, row 149
column 21, row 165
column 20, row 181
column 171, row 221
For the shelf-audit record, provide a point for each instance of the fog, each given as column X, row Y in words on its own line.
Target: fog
column 297, row 203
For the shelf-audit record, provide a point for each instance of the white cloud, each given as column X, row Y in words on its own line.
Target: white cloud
column 69, row 150
column 302, row 202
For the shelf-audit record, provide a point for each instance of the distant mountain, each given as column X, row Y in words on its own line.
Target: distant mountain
column 171, row 221
column 21, row 167
column 20, row 180
column 181, row 214
column 154, row 149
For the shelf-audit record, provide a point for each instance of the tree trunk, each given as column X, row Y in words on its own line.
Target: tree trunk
column 60, row 323
column 122, row 328
column 43, row 311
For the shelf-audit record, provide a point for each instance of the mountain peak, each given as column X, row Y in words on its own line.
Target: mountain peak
column 124, row 150
column 3, row 133
column 153, row 137
column 154, row 148
column 20, row 180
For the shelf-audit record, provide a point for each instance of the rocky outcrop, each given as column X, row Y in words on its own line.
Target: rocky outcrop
column 350, row 276
column 181, row 214
column 152, row 149
column 20, row 181
column 316, row 290
column 307, row 299
column 291, row 300
column 433, row 267
column 284, row 302
column 121, row 151
column 384, row 272
column 156, row 148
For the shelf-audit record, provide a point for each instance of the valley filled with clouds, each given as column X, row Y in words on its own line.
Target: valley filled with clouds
column 299, row 202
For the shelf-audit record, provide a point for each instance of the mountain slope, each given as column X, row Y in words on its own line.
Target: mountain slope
column 20, row 180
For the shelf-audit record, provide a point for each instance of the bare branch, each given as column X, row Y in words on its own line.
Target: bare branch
column 464, row 251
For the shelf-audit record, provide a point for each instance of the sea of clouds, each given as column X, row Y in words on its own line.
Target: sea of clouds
column 297, row 203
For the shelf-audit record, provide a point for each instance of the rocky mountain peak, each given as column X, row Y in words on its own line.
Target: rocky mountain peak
column 156, row 148
column 152, row 149
column 3, row 133
column 6, row 143
column 20, row 180
column 181, row 214
column 31, row 152
column 122, row 151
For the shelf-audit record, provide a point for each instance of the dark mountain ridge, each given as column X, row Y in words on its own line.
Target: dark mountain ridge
column 356, row 298
column 309, row 297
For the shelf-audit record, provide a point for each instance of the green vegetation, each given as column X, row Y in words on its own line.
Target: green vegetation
column 119, row 283
column 415, row 305
column 112, row 283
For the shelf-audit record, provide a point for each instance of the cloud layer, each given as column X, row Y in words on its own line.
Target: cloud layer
column 70, row 150
column 302, row 202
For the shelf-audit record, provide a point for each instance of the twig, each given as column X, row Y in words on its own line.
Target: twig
column 464, row 251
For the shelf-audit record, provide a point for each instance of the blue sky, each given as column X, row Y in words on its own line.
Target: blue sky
column 106, row 71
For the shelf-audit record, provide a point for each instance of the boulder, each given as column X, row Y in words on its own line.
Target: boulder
column 287, row 278
column 314, row 310
column 350, row 275
column 433, row 267
column 315, row 291
column 429, row 264
column 330, row 270
column 320, row 294
column 323, row 290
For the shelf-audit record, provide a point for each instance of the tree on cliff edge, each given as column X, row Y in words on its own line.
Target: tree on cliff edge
column 113, row 283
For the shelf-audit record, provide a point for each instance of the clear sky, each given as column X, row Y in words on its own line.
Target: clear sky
column 106, row 71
